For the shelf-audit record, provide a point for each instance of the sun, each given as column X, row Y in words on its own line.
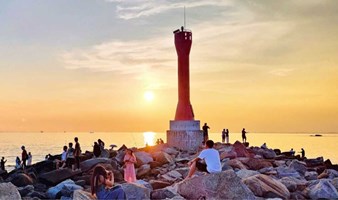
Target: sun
column 149, row 138
column 148, row 96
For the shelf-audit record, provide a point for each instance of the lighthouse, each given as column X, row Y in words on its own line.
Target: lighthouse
column 184, row 132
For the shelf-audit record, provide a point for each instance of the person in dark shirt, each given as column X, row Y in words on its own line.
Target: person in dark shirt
column 3, row 161
column 244, row 135
column 205, row 132
column 77, row 153
column 24, row 157
column 96, row 150
column 303, row 153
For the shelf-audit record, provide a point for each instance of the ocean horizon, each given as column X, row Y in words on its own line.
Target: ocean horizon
column 42, row 143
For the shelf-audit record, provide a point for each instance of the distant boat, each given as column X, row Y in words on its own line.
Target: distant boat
column 91, row 132
column 41, row 131
column 318, row 135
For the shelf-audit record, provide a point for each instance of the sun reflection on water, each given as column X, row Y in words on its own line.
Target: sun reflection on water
column 149, row 138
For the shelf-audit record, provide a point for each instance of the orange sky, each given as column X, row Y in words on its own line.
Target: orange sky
column 268, row 67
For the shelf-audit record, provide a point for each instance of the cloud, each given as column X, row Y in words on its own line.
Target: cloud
column 281, row 72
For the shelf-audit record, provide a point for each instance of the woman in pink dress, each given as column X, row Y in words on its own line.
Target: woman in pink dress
column 129, row 169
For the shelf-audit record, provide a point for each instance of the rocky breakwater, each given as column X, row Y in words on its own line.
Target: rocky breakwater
column 247, row 173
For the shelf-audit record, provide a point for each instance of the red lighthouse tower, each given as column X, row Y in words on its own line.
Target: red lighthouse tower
column 184, row 132
column 183, row 41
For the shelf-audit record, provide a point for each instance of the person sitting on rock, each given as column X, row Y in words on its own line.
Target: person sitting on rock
column 17, row 163
column 102, row 185
column 60, row 164
column 210, row 156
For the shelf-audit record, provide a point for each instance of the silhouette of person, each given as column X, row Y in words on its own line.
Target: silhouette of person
column 2, row 163
column 158, row 141
column 227, row 136
column 101, row 144
column 303, row 153
column 264, row 146
column 70, row 160
column 29, row 160
column 24, row 157
column 223, row 135
column 96, row 150
column 17, row 163
column 205, row 132
column 161, row 141
column 244, row 135
column 292, row 152
column 77, row 152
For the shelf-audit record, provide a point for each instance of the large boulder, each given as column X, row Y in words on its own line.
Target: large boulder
column 241, row 150
column 82, row 195
column 135, row 191
column 25, row 190
column 255, row 164
column 57, row 176
column 65, row 186
column 165, row 193
column 230, row 154
column 90, row 163
column 265, row 186
column 172, row 176
column 244, row 173
column 21, row 180
column 293, row 184
column 8, row 191
column 311, row 175
column 162, row 157
column 223, row 185
column 265, row 153
column 314, row 162
column 236, row 164
column 299, row 166
column 286, row 172
column 322, row 189
column 157, row 184
column 143, row 158
column 142, row 171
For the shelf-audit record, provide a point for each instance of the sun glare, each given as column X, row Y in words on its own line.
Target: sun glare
column 148, row 96
column 149, row 138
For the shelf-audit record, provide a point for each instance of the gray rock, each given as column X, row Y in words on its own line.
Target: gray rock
column 323, row 189
column 143, row 158
column 136, row 191
column 162, row 157
column 244, row 173
column 8, row 191
column 90, row 163
column 55, row 192
column 335, row 182
column 80, row 182
column 145, row 184
column 297, row 195
column 142, row 171
column 57, row 176
column 265, row 186
column 21, row 180
column 311, row 175
column 268, row 171
column 171, row 151
column 286, row 172
column 82, row 195
column 293, row 184
column 299, row 166
column 157, row 184
column 223, row 185
column 162, row 194
column 25, row 190
column 35, row 194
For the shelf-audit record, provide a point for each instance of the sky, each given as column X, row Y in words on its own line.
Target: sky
column 111, row 65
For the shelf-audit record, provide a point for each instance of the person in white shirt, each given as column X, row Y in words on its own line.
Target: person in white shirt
column 62, row 163
column 29, row 160
column 210, row 156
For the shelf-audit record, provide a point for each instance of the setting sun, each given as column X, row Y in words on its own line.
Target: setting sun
column 148, row 96
column 149, row 138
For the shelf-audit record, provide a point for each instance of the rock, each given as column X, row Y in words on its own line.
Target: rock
column 143, row 158
column 171, row 151
column 335, row 182
column 162, row 157
column 172, row 176
column 183, row 171
column 162, row 194
column 255, row 164
column 297, row 195
column 136, row 191
column 225, row 166
column 293, row 184
column 82, row 195
column 314, row 162
column 231, row 155
column 9, row 191
column 265, row 186
column 286, row 172
column 40, row 187
column 157, row 184
column 35, row 194
column 265, row 153
column 90, row 163
column 299, row 166
column 241, row 150
column 87, row 178
column 331, row 173
column 21, row 180
column 323, row 189
column 25, row 190
column 223, row 185
column 105, row 154
column 55, row 192
column 277, row 151
column 57, row 176
column 309, row 175
column 143, row 171
column 244, row 173
column 80, row 183
column 236, row 164
column 155, row 164
column 68, row 189
column 268, row 171
column 118, row 176
column 145, row 184
column 279, row 163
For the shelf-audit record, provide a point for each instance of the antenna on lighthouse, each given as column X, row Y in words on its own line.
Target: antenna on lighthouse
column 184, row 16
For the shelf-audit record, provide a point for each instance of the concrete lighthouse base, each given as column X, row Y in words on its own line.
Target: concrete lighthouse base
column 185, row 135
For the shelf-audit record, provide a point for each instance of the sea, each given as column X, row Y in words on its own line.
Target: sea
column 42, row 143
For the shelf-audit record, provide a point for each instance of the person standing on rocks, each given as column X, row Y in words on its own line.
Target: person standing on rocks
column 223, row 136
column 29, row 160
column 303, row 153
column 211, row 158
column 24, row 157
column 227, row 136
column 244, row 135
column 102, row 185
column 3, row 161
column 77, row 153
column 205, row 132
column 129, row 168
column 96, row 150
column 70, row 161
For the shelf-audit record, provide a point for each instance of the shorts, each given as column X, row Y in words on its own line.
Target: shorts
column 70, row 162
column 201, row 166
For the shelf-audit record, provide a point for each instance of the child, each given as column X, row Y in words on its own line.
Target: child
column 129, row 170
column 102, row 182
